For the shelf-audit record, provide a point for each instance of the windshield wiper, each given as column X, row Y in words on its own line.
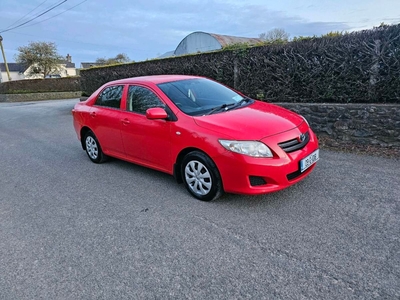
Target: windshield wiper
column 243, row 101
column 221, row 107
column 225, row 107
column 240, row 103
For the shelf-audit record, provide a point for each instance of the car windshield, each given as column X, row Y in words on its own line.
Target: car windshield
column 201, row 96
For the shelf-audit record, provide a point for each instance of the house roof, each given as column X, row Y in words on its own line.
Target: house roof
column 69, row 65
column 16, row 67
column 86, row 65
column 13, row 67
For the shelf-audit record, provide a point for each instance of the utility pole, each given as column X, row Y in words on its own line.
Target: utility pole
column 4, row 57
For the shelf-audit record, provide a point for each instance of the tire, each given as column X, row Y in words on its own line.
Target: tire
column 93, row 148
column 201, row 177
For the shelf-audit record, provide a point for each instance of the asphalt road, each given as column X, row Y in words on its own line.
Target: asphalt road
column 71, row 229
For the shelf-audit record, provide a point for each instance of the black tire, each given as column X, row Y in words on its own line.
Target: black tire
column 93, row 148
column 201, row 177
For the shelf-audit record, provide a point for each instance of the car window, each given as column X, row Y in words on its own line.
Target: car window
column 199, row 96
column 141, row 99
column 110, row 96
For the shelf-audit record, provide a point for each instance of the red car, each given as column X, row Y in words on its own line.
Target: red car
column 210, row 137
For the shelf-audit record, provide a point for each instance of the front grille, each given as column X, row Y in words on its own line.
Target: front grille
column 256, row 180
column 295, row 144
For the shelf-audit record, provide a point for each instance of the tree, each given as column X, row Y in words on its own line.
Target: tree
column 41, row 57
column 121, row 58
column 276, row 35
column 333, row 34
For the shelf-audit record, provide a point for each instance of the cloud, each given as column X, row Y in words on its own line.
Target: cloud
column 142, row 28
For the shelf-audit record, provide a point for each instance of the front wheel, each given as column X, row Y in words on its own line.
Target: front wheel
column 201, row 177
column 93, row 148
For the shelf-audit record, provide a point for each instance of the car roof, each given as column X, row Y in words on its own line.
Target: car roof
column 156, row 79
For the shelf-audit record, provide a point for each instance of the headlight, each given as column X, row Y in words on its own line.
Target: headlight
column 250, row 148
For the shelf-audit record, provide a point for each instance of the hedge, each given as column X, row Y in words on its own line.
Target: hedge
column 358, row 67
column 67, row 84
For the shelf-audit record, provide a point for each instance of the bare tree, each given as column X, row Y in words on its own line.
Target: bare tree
column 275, row 35
column 40, row 57
column 120, row 58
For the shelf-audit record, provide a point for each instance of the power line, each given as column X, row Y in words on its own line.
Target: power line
column 56, row 14
column 34, row 17
column 27, row 14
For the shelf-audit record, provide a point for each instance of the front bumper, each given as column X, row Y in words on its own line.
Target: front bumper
column 243, row 174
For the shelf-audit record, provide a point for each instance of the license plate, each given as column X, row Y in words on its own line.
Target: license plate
column 307, row 162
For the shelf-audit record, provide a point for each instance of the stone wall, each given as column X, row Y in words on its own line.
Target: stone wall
column 39, row 96
column 362, row 124
column 359, row 124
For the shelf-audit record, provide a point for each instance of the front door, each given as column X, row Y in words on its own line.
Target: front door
column 145, row 141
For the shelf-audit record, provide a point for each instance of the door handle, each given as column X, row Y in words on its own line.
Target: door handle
column 92, row 114
column 125, row 121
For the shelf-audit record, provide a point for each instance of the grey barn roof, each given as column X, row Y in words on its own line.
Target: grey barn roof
column 226, row 40
column 200, row 41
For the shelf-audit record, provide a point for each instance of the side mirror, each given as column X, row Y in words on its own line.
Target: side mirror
column 156, row 113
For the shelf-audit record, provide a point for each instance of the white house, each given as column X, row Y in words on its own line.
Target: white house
column 16, row 72
column 67, row 67
column 19, row 72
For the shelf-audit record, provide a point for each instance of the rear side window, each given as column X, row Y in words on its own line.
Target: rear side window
column 141, row 99
column 110, row 96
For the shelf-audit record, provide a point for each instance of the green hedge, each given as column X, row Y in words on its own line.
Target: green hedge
column 67, row 84
column 359, row 67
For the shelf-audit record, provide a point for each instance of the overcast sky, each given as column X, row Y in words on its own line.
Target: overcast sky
column 145, row 29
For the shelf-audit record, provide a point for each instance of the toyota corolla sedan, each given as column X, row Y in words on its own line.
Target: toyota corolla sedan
column 208, row 136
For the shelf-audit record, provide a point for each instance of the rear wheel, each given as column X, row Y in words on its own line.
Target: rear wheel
column 93, row 148
column 201, row 177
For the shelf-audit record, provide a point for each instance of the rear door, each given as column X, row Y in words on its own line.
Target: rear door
column 105, row 116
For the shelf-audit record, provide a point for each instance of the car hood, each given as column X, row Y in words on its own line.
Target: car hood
column 253, row 122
